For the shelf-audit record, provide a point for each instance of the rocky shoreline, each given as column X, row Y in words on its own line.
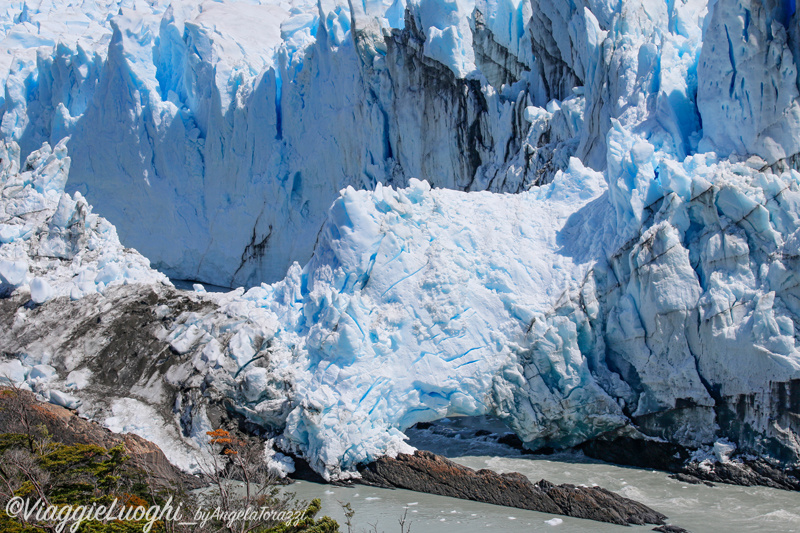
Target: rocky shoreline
column 647, row 453
column 432, row 474
column 423, row 471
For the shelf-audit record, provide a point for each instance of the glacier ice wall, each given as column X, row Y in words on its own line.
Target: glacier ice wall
column 646, row 285
column 216, row 126
column 182, row 111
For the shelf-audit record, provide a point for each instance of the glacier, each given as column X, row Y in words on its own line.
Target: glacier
column 183, row 108
column 579, row 217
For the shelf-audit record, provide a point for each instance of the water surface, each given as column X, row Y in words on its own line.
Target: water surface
column 697, row 508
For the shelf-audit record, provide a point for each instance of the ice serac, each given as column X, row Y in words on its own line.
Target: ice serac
column 581, row 217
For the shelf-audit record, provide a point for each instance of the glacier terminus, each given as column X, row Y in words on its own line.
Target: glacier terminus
column 580, row 217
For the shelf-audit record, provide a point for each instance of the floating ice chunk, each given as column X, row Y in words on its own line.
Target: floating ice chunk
column 198, row 287
column 554, row 522
column 41, row 291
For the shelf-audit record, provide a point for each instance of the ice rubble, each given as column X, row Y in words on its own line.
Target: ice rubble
column 410, row 311
column 53, row 246
column 52, row 243
column 652, row 283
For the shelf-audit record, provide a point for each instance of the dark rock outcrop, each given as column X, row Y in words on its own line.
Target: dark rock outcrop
column 670, row 529
column 747, row 472
column 690, row 479
column 638, row 452
column 433, row 474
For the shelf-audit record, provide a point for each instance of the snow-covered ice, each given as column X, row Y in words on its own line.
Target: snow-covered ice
column 132, row 416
